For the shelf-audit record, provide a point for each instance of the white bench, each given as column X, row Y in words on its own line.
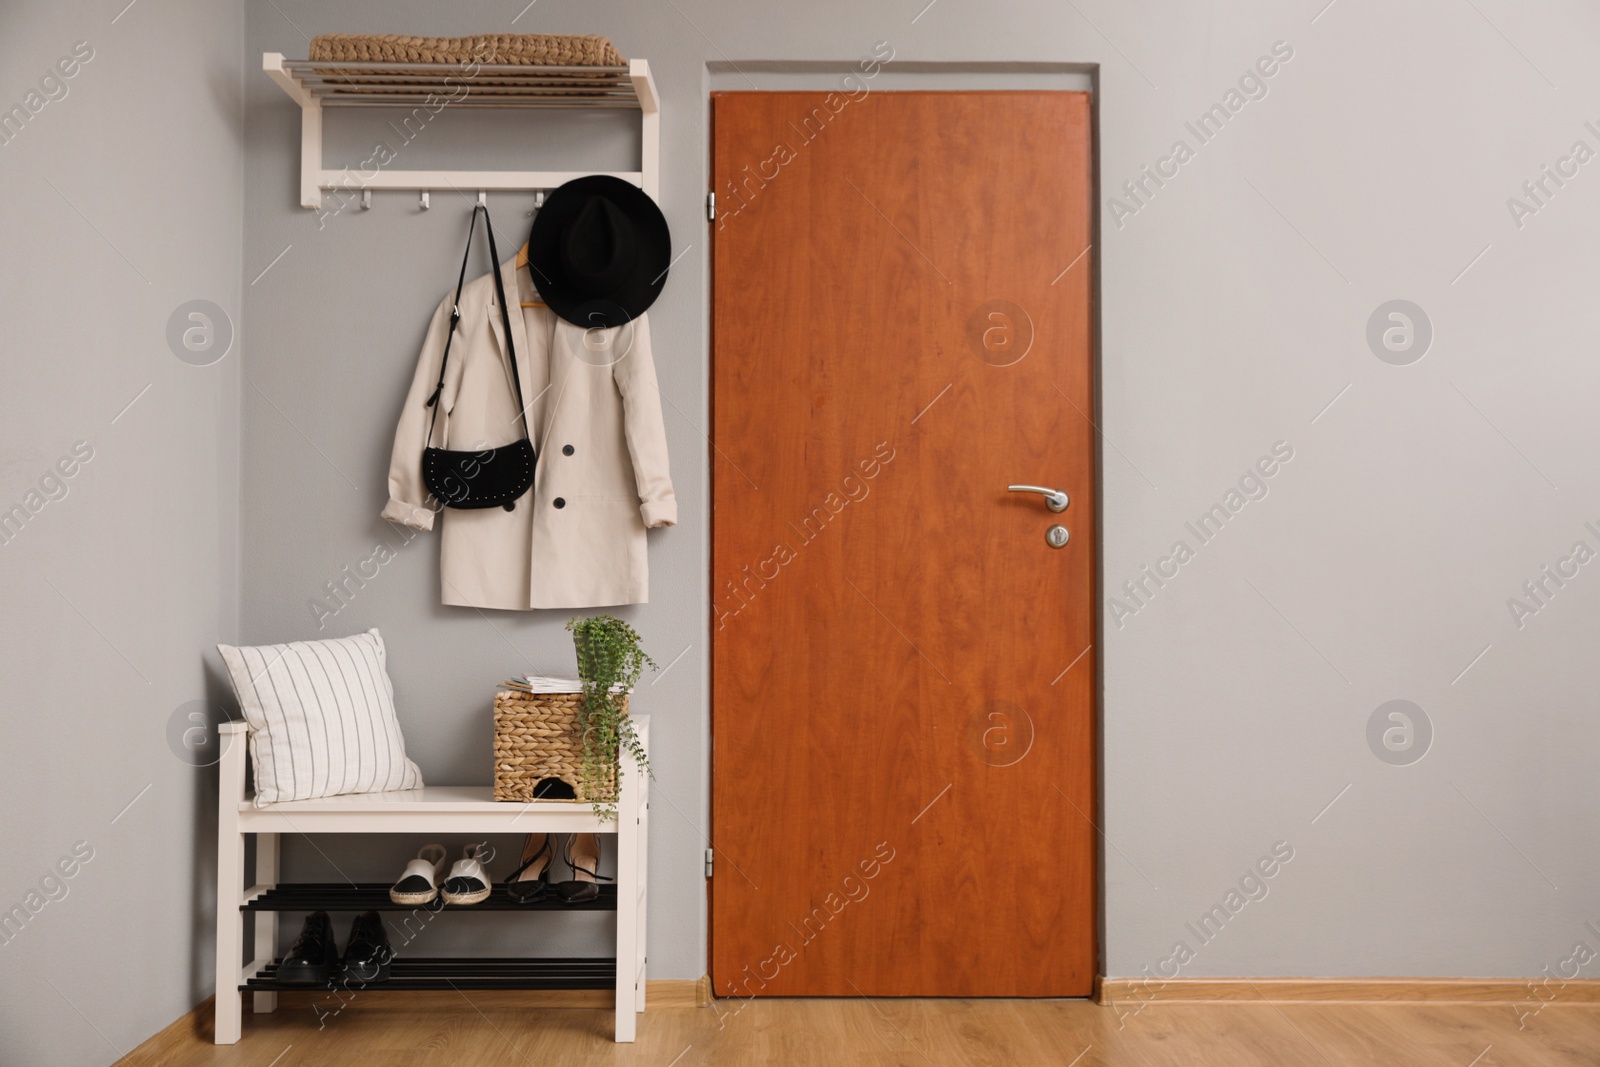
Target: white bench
column 421, row 813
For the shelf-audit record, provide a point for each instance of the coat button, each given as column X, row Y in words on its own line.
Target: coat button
column 560, row 502
column 567, row 450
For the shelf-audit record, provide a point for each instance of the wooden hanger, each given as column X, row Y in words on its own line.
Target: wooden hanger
column 522, row 261
column 522, row 255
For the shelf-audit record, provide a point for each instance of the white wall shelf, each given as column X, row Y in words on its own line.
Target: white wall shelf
column 422, row 813
column 316, row 85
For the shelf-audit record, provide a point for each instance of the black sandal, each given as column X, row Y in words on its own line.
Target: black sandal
column 582, row 887
column 528, row 890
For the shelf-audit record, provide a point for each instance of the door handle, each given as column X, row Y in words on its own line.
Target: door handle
column 1054, row 499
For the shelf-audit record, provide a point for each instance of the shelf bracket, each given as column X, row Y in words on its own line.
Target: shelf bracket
column 644, row 86
column 310, row 127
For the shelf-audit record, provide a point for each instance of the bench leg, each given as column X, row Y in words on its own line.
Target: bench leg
column 230, row 936
column 644, row 897
column 266, row 941
column 230, row 885
column 627, row 950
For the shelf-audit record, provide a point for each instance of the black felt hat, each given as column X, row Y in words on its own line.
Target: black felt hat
column 599, row 251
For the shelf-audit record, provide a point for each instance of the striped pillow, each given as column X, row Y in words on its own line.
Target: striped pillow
column 321, row 717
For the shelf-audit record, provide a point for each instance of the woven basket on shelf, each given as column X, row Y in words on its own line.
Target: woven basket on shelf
column 536, row 737
column 511, row 49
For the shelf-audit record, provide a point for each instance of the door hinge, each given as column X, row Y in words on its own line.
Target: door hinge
column 711, row 207
column 710, row 857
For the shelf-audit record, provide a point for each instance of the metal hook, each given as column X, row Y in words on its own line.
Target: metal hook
column 366, row 200
column 424, row 200
column 483, row 198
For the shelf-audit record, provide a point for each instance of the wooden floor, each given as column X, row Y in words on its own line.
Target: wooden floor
column 491, row 1030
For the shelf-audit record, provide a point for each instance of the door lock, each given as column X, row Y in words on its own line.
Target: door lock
column 1057, row 536
column 1054, row 499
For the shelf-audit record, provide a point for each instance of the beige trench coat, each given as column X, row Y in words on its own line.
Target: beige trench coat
column 577, row 538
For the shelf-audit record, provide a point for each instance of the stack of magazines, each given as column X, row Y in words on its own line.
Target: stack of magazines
column 546, row 683
column 542, row 683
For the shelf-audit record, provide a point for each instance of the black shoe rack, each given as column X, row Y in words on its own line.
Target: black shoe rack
column 464, row 973
column 374, row 896
column 438, row 972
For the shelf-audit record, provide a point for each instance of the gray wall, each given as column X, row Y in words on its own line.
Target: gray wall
column 123, row 201
column 1236, row 303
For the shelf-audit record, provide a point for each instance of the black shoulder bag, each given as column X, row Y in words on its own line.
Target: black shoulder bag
column 479, row 478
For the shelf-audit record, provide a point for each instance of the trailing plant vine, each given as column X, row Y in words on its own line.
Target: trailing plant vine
column 610, row 662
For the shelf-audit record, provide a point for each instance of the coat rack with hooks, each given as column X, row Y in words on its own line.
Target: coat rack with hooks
column 326, row 83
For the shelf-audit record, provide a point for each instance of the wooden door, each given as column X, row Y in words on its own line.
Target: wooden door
column 903, row 725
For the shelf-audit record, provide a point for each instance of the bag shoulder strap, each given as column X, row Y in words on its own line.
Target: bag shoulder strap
column 455, row 318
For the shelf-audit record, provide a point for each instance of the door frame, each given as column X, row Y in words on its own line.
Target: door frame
column 988, row 77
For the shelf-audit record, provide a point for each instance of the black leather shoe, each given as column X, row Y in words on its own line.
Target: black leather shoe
column 314, row 958
column 530, row 882
column 582, row 854
column 367, row 955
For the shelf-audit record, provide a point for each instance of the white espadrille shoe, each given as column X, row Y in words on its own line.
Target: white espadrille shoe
column 420, row 882
column 468, row 882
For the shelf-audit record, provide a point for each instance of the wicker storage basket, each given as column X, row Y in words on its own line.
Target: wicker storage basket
column 536, row 737
column 514, row 49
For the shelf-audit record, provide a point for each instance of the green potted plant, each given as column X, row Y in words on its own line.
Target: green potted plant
column 610, row 662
